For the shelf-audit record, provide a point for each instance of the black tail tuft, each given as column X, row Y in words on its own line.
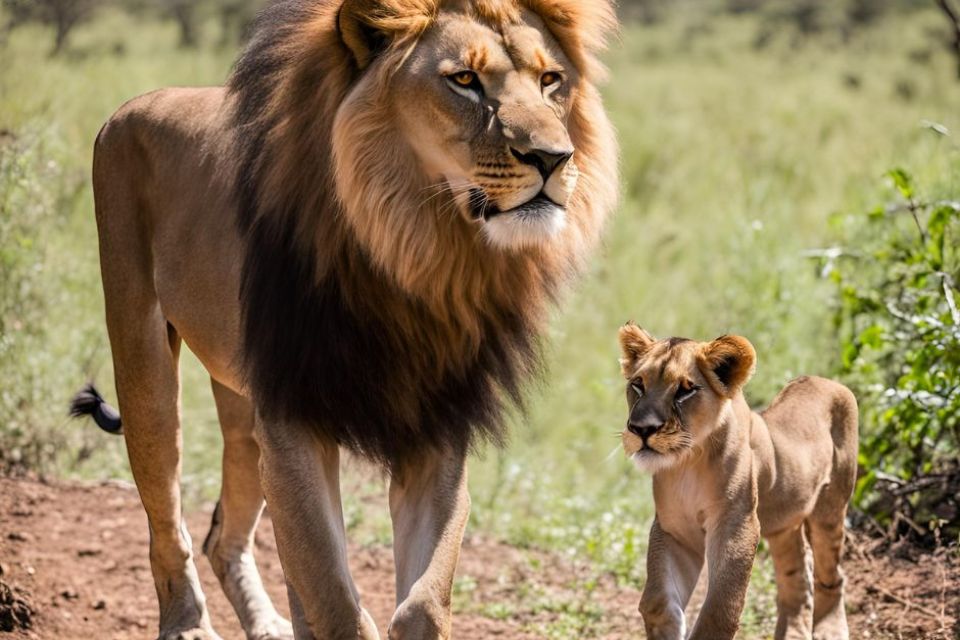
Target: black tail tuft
column 89, row 402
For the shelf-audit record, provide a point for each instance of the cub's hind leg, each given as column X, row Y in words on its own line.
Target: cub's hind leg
column 794, row 592
column 825, row 526
column 829, row 613
column 229, row 545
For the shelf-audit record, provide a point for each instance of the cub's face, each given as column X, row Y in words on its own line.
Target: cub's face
column 485, row 109
column 678, row 392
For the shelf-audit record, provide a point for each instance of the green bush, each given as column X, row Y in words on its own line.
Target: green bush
column 25, row 210
column 900, row 328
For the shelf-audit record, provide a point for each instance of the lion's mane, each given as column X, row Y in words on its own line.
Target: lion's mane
column 368, row 315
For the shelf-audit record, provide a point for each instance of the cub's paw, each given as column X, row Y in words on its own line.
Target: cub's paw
column 836, row 631
column 276, row 629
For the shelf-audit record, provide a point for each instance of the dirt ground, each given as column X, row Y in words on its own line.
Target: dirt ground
column 77, row 556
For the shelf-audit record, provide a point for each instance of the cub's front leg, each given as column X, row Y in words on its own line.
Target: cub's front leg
column 731, row 548
column 672, row 572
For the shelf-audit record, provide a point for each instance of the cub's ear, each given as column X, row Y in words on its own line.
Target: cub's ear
column 634, row 343
column 368, row 26
column 728, row 364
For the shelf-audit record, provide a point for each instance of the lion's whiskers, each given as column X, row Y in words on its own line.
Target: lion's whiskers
column 441, row 189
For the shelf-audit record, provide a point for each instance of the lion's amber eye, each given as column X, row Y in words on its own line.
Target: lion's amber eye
column 550, row 78
column 465, row 79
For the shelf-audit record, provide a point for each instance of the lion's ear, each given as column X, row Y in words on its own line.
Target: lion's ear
column 634, row 343
column 368, row 26
column 359, row 32
column 728, row 364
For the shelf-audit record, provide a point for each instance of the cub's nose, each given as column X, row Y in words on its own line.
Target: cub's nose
column 547, row 161
column 643, row 431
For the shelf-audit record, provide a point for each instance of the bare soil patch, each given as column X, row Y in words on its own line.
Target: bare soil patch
column 74, row 566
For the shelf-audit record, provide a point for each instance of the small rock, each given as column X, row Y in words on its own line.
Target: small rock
column 89, row 553
column 15, row 611
column 69, row 594
column 17, row 536
column 99, row 605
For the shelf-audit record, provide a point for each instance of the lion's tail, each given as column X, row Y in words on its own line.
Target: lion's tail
column 89, row 402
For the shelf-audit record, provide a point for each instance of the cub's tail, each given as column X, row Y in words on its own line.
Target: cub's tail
column 89, row 402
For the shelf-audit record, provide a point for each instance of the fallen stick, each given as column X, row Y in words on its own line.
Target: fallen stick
column 908, row 604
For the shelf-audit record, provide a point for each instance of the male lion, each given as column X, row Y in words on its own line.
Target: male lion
column 723, row 476
column 360, row 237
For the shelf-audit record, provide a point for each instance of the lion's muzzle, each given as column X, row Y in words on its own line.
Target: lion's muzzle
column 546, row 161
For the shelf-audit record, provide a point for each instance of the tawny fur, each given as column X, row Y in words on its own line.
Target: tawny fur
column 342, row 291
column 725, row 476
column 395, row 249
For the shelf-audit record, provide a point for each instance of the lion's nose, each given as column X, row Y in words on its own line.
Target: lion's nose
column 547, row 161
column 643, row 432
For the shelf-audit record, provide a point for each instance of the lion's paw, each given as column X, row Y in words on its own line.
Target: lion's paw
column 417, row 620
column 190, row 634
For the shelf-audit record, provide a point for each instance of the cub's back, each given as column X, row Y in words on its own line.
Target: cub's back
column 813, row 425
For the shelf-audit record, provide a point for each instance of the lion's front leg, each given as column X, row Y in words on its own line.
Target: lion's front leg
column 731, row 549
column 301, row 482
column 672, row 572
column 430, row 505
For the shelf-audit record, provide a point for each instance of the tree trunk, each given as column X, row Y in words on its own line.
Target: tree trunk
column 953, row 15
column 183, row 14
column 63, row 27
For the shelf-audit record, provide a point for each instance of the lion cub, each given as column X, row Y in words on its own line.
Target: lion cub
column 723, row 476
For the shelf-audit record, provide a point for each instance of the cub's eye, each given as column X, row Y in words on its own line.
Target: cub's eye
column 550, row 78
column 465, row 79
column 637, row 387
column 686, row 392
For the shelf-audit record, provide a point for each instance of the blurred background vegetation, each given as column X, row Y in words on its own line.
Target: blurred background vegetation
column 758, row 138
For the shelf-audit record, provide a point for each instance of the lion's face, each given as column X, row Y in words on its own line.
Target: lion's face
column 479, row 115
column 678, row 392
column 486, row 114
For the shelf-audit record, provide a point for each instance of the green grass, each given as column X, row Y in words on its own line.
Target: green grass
column 734, row 162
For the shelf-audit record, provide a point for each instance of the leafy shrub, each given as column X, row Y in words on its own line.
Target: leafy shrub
column 900, row 327
column 40, row 358
column 25, row 210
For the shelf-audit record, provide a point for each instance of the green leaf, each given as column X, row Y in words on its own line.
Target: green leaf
column 936, row 232
column 872, row 337
column 902, row 181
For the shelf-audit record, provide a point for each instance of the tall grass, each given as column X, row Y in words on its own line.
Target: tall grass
column 734, row 159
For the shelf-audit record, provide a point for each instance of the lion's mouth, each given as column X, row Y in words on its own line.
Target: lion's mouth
column 482, row 208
